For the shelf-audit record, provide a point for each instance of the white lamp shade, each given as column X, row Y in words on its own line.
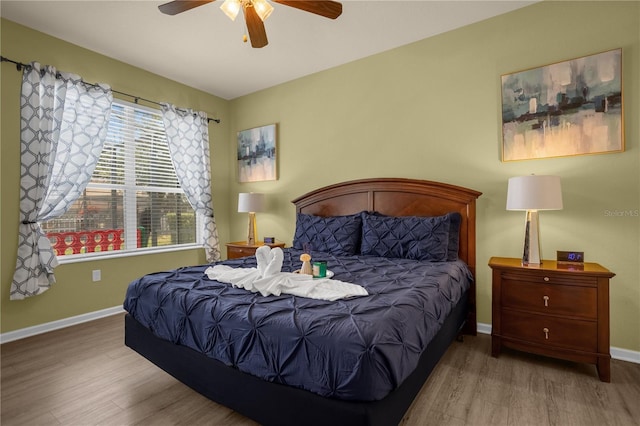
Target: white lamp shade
column 534, row 193
column 250, row 202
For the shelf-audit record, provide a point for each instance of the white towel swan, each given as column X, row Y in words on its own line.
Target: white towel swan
column 271, row 260
column 268, row 279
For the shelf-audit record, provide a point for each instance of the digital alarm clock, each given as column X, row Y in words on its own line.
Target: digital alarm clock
column 570, row 257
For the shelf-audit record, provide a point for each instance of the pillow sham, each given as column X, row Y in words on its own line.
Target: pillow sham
column 410, row 237
column 339, row 235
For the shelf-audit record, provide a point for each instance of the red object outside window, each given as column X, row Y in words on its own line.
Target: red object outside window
column 67, row 243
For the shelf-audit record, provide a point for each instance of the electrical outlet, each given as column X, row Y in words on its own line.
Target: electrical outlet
column 96, row 275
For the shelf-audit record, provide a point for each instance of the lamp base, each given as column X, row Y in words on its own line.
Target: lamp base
column 253, row 229
column 531, row 253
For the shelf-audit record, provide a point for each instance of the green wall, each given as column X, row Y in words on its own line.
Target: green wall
column 429, row 110
column 75, row 293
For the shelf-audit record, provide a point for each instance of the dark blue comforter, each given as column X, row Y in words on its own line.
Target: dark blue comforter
column 355, row 349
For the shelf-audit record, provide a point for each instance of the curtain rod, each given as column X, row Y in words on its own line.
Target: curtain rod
column 20, row 66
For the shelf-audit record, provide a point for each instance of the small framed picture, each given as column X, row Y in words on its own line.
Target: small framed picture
column 257, row 154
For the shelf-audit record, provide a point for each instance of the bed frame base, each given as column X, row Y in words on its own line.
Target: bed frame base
column 275, row 404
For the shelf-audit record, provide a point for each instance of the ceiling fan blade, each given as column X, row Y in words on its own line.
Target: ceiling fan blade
column 179, row 6
column 257, row 33
column 328, row 9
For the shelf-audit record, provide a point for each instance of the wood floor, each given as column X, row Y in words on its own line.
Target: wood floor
column 84, row 375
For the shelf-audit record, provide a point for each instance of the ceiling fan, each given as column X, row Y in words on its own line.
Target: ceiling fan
column 256, row 12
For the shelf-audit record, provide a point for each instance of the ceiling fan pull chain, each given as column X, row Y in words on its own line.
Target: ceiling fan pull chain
column 245, row 37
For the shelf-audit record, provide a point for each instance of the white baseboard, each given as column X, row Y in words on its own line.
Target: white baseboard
column 625, row 355
column 55, row 325
column 484, row 328
column 616, row 353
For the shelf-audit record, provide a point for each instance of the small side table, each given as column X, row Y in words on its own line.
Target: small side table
column 242, row 249
column 551, row 310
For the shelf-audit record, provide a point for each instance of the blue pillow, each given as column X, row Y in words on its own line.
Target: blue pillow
column 455, row 219
column 339, row 235
column 410, row 237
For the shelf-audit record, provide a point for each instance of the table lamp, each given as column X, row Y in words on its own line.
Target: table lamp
column 251, row 202
column 533, row 193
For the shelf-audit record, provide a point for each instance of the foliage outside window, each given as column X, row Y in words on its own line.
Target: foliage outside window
column 134, row 200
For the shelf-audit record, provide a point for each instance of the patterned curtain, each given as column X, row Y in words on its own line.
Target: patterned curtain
column 63, row 125
column 188, row 137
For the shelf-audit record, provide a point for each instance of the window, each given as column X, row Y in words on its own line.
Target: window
column 134, row 200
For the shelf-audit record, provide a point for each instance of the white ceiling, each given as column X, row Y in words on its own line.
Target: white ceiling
column 202, row 48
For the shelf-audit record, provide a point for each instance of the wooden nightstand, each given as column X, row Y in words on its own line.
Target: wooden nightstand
column 242, row 249
column 552, row 310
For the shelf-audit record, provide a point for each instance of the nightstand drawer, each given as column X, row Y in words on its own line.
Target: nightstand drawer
column 552, row 331
column 242, row 249
column 546, row 277
column 566, row 300
column 236, row 252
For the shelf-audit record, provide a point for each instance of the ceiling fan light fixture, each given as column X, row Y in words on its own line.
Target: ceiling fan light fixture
column 263, row 8
column 255, row 12
column 231, row 8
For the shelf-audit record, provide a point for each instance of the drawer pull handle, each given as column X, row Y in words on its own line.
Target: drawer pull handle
column 546, row 279
column 546, row 333
column 546, row 300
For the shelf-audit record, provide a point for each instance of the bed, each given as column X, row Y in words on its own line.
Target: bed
column 287, row 360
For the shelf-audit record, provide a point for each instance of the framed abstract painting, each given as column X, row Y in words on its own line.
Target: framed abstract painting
column 257, row 154
column 568, row 108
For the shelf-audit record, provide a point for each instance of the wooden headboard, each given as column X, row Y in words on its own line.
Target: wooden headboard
column 402, row 197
